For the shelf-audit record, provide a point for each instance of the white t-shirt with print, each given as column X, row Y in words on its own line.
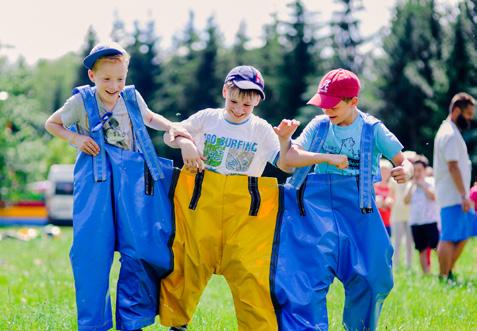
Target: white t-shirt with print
column 117, row 130
column 231, row 148
column 423, row 209
column 450, row 146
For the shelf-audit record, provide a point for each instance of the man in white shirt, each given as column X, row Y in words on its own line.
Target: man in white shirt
column 452, row 173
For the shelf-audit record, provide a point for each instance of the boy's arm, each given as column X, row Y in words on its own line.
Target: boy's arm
column 292, row 156
column 296, row 157
column 54, row 125
column 192, row 158
column 403, row 170
column 160, row 123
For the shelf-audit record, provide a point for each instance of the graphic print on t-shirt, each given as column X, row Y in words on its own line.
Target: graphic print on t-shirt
column 114, row 135
column 240, row 153
column 348, row 147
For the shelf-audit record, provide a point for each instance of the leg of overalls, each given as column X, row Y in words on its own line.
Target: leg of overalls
column 143, row 225
column 250, row 208
column 365, row 257
column 196, row 247
column 305, row 256
column 93, row 246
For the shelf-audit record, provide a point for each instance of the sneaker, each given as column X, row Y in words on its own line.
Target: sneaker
column 179, row 328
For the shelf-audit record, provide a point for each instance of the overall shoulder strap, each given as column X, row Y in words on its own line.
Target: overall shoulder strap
column 91, row 106
column 140, row 132
column 366, row 162
column 319, row 137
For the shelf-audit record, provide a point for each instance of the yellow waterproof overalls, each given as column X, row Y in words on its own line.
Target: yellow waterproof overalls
column 225, row 225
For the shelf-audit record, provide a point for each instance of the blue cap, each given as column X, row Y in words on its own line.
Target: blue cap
column 247, row 78
column 102, row 50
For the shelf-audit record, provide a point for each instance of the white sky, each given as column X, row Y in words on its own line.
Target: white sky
column 50, row 28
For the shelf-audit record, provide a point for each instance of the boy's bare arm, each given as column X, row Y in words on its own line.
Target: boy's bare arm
column 293, row 156
column 296, row 157
column 403, row 170
column 160, row 123
column 54, row 125
column 192, row 158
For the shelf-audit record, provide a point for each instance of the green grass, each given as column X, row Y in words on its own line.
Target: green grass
column 37, row 293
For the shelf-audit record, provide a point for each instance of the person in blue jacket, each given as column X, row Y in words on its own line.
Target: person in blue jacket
column 121, row 191
column 330, row 225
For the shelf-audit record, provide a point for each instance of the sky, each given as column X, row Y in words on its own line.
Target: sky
column 48, row 29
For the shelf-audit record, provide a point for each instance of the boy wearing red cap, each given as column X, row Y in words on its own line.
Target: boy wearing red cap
column 331, row 226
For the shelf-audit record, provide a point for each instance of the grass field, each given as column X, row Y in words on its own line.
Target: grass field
column 36, row 293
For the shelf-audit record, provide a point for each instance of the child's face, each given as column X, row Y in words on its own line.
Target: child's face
column 419, row 171
column 238, row 107
column 109, row 78
column 343, row 113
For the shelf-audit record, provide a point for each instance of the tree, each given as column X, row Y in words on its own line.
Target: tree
column 239, row 51
column 269, row 60
column 345, row 36
column 208, row 91
column 144, row 66
column 118, row 32
column 462, row 60
column 298, row 62
column 411, row 76
column 82, row 73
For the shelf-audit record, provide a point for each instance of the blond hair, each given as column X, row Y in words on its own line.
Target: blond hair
column 236, row 92
column 120, row 58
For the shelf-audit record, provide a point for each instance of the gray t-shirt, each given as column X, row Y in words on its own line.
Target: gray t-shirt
column 117, row 130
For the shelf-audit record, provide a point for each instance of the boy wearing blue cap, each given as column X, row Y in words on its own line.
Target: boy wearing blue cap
column 226, row 214
column 330, row 225
column 120, row 194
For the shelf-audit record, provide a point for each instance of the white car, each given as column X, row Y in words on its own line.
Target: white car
column 59, row 196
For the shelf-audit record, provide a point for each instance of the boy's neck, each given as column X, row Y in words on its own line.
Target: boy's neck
column 109, row 106
column 351, row 119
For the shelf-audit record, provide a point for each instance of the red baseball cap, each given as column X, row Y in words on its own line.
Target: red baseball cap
column 334, row 86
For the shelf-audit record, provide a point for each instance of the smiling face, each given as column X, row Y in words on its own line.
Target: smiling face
column 344, row 113
column 239, row 104
column 109, row 76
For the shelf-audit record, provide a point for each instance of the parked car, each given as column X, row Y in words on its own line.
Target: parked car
column 59, row 196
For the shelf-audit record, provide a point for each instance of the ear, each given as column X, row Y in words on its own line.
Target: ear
column 224, row 91
column 354, row 101
column 91, row 75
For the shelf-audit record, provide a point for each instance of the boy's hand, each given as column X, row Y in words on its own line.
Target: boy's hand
column 85, row 144
column 399, row 174
column 193, row 159
column 338, row 160
column 176, row 130
column 286, row 128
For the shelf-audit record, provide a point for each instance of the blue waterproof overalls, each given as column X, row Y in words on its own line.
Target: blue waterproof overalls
column 331, row 228
column 121, row 202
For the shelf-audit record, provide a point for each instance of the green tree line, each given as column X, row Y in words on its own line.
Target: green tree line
column 409, row 72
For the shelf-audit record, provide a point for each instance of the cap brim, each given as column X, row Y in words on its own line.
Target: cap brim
column 247, row 85
column 89, row 61
column 324, row 101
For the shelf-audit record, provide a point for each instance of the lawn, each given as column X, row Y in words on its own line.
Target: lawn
column 37, row 293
